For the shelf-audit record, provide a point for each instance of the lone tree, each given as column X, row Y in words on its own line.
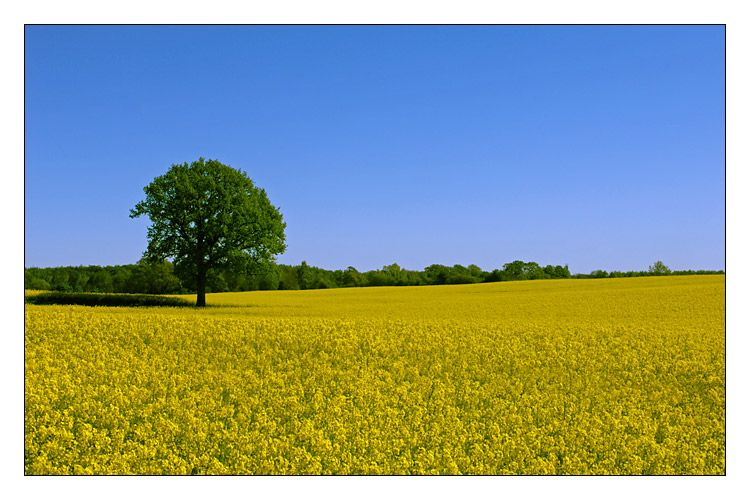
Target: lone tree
column 209, row 216
column 658, row 268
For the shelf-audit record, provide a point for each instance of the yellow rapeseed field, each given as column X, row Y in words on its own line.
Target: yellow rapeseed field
column 615, row 376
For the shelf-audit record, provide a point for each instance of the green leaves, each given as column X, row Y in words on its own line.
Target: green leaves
column 207, row 215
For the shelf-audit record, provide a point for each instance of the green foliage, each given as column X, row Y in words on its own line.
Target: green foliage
column 557, row 272
column 153, row 278
column 105, row 299
column 288, row 278
column 352, row 277
column 160, row 277
column 515, row 270
column 209, row 216
column 437, row 274
column 37, row 284
column 658, row 268
column 305, row 276
column 144, row 277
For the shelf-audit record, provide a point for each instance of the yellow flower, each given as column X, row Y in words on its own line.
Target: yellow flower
column 620, row 376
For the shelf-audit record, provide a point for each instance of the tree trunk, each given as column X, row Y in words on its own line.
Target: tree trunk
column 201, row 302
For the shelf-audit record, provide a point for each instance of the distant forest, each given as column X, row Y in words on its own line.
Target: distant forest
column 160, row 278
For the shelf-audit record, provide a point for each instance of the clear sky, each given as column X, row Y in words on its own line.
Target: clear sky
column 600, row 147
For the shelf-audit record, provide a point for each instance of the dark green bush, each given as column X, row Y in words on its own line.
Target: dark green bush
column 106, row 299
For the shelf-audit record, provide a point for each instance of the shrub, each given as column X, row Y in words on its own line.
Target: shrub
column 105, row 299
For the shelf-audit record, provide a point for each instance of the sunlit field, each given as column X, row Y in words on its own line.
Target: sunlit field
column 612, row 376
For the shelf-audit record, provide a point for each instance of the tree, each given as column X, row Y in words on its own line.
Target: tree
column 36, row 284
column 153, row 277
column 437, row 274
column 395, row 275
column 269, row 278
column 352, row 277
column 304, row 276
column 475, row 271
column 599, row 273
column 562, row 271
column 533, row 271
column 209, row 216
column 288, row 278
column 495, row 275
column 658, row 268
column 100, row 281
column 515, row 270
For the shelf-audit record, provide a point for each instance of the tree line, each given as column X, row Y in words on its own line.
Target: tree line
column 160, row 278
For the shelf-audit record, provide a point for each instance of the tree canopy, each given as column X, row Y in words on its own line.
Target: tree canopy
column 207, row 216
column 658, row 268
column 159, row 277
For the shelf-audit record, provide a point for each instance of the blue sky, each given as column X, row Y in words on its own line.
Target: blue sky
column 600, row 147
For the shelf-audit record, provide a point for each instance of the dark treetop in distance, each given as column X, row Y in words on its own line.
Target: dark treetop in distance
column 159, row 277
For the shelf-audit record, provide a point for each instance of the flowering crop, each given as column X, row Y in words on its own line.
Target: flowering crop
column 619, row 376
